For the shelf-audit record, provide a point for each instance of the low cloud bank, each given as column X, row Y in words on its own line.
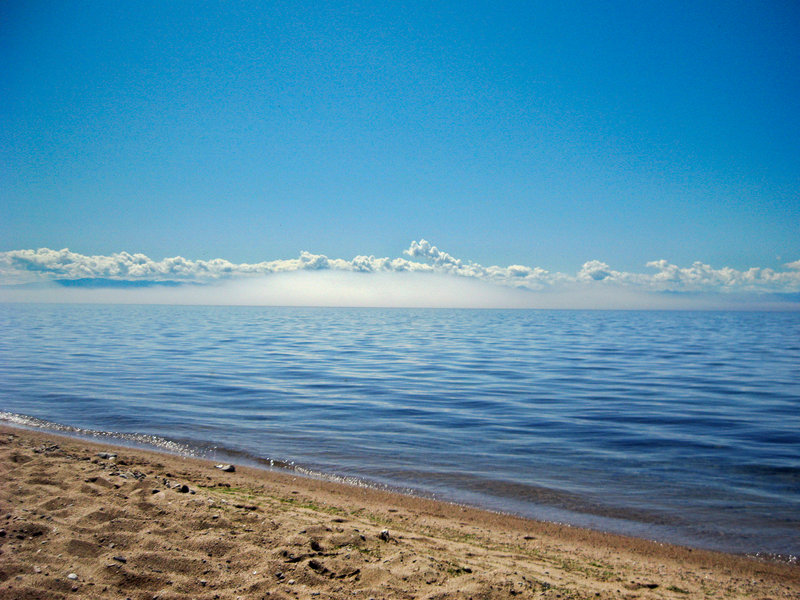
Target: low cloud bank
column 427, row 277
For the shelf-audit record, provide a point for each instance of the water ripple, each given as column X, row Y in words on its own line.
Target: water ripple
column 679, row 426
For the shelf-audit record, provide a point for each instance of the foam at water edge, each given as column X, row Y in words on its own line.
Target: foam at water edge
column 139, row 439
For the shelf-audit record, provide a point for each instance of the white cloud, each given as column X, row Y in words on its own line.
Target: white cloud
column 703, row 277
column 595, row 270
column 424, row 250
column 794, row 265
column 595, row 280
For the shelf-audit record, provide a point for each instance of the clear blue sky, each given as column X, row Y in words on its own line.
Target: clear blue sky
column 537, row 133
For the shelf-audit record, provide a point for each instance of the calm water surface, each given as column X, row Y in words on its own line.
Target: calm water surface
column 678, row 426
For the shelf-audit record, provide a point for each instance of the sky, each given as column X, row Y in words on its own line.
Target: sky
column 622, row 154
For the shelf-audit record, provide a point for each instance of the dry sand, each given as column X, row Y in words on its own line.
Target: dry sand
column 75, row 525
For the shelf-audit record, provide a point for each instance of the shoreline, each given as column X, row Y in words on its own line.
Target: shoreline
column 251, row 532
column 607, row 521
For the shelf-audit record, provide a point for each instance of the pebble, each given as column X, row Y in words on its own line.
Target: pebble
column 121, row 559
column 384, row 535
column 72, row 576
column 107, row 455
column 226, row 468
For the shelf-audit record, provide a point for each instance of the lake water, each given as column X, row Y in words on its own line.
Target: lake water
column 676, row 426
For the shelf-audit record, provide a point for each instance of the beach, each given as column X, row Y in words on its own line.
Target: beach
column 80, row 519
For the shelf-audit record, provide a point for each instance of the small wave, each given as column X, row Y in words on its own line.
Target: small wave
column 194, row 450
column 790, row 559
column 137, row 439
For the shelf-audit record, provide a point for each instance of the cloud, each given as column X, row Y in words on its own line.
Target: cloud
column 594, row 270
column 424, row 250
column 364, row 279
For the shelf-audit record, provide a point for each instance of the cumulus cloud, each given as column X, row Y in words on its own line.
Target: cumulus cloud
column 42, row 266
column 596, row 270
column 424, row 250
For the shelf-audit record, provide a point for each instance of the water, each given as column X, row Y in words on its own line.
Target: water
column 678, row 426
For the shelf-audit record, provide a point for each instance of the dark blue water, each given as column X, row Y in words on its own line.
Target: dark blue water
column 678, row 426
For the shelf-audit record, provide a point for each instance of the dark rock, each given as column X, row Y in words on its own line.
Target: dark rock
column 47, row 448
column 384, row 535
column 107, row 455
column 184, row 489
column 317, row 566
column 121, row 559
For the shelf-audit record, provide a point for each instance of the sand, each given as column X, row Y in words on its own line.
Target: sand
column 145, row 525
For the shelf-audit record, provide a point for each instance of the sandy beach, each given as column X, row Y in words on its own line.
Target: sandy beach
column 88, row 520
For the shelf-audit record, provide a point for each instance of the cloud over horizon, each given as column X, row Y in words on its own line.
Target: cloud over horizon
column 500, row 286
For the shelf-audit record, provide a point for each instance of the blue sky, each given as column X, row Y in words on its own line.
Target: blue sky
column 547, row 135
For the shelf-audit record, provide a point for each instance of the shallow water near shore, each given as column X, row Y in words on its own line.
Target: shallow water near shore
column 678, row 426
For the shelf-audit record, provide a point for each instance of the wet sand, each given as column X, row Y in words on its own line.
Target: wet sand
column 75, row 523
